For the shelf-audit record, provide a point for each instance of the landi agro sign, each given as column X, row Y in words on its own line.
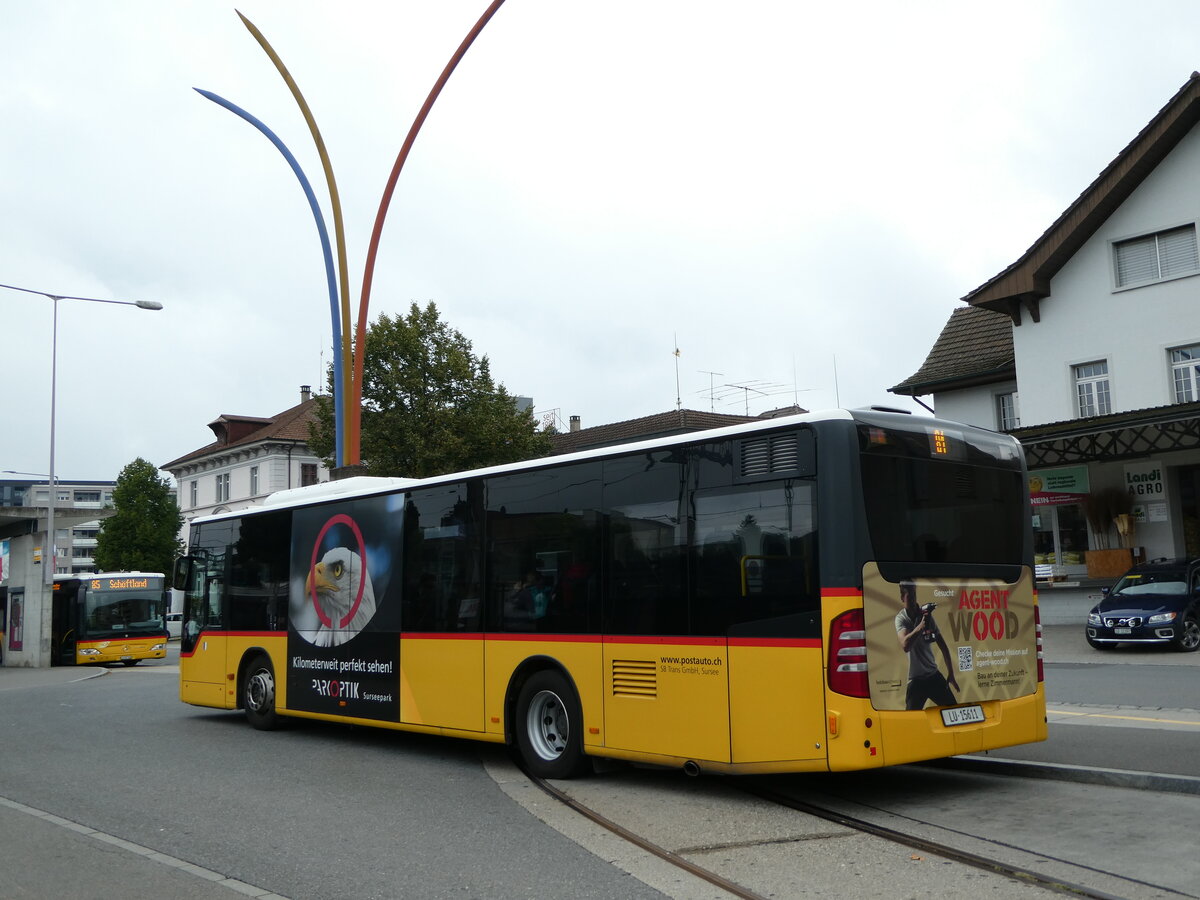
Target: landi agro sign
column 1049, row 487
column 1145, row 480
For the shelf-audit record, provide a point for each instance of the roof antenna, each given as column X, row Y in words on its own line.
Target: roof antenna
column 678, row 398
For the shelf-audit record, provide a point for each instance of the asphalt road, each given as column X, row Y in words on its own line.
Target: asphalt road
column 314, row 811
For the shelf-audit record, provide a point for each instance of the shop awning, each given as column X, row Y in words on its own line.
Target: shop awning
column 1136, row 434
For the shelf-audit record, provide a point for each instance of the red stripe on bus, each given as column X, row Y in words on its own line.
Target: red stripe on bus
column 841, row 592
column 774, row 642
column 664, row 639
column 543, row 638
column 441, row 635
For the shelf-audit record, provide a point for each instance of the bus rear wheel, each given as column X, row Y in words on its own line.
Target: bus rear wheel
column 258, row 694
column 549, row 728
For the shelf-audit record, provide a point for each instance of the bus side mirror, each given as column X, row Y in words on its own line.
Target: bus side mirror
column 182, row 573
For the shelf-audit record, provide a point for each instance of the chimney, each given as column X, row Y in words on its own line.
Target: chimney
column 575, row 426
column 305, row 393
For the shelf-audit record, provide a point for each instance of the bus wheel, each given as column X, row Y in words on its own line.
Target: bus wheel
column 549, row 728
column 258, row 694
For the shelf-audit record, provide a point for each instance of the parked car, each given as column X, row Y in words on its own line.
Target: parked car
column 174, row 624
column 1154, row 603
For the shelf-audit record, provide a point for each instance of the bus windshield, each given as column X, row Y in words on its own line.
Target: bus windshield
column 122, row 606
column 932, row 497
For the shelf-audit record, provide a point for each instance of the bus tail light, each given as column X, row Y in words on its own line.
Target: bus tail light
column 1037, row 623
column 848, row 655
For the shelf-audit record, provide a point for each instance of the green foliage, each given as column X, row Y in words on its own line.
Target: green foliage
column 429, row 405
column 143, row 534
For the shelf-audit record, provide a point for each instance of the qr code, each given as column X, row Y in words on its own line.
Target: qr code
column 966, row 661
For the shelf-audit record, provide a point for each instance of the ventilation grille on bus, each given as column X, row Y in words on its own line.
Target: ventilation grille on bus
column 635, row 678
column 769, row 455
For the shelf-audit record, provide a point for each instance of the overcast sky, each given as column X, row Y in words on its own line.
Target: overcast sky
column 794, row 194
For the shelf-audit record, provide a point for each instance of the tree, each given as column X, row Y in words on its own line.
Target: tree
column 143, row 534
column 429, row 405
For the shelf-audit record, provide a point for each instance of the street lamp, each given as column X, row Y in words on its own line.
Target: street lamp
column 140, row 304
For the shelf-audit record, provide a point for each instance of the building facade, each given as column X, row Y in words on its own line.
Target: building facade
column 1087, row 349
column 74, row 540
column 250, row 458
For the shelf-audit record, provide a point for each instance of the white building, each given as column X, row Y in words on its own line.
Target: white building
column 250, row 458
column 1087, row 349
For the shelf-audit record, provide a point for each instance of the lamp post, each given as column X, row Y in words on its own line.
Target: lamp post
column 140, row 304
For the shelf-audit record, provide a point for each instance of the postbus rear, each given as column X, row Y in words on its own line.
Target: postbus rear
column 934, row 642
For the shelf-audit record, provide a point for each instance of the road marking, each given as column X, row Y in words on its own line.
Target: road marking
column 239, row 888
column 1175, row 720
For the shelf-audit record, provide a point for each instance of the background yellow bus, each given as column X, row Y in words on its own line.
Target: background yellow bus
column 109, row 617
column 736, row 600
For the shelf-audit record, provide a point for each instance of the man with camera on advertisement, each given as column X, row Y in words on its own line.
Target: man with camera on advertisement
column 918, row 633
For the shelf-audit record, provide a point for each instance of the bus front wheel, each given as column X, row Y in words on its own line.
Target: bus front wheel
column 258, row 694
column 549, row 728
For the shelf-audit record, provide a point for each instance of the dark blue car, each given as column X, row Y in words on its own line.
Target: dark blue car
column 1155, row 603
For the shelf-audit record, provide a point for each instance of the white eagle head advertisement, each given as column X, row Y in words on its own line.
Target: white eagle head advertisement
column 343, row 646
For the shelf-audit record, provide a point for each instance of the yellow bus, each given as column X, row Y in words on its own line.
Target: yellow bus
column 109, row 617
column 830, row 591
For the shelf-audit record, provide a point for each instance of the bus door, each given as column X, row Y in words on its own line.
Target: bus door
column 754, row 571
column 202, row 580
column 64, row 622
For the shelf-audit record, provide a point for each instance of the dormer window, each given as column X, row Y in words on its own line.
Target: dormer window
column 1156, row 257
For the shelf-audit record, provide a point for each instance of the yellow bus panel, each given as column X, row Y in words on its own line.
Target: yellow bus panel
column 441, row 680
column 667, row 697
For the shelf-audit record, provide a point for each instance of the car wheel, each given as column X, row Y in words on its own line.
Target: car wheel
column 1188, row 638
column 1099, row 645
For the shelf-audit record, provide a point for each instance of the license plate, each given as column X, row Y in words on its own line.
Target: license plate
column 126, row 657
column 962, row 715
column 1122, row 631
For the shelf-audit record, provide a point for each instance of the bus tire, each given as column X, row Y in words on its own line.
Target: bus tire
column 258, row 694
column 549, row 728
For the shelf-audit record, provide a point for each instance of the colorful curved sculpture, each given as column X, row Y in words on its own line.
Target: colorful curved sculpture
column 348, row 358
column 338, row 362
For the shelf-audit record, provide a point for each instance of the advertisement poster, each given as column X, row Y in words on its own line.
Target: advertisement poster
column 1050, row 487
column 344, row 595
column 944, row 642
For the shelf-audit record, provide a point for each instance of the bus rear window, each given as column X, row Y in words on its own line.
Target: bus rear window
column 941, row 511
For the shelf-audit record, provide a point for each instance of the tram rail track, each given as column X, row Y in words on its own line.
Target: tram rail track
column 996, row 858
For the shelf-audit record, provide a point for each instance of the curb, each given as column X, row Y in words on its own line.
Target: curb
column 1126, row 778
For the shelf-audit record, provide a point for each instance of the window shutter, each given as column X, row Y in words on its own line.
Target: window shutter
column 1177, row 251
column 1136, row 261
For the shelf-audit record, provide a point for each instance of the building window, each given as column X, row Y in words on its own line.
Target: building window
column 1091, row 389
column 87, row 496
column 1156, row 257
column 222, row 488
column 254, row 481
column 308, row 474
column 1008, row 413
column 194, row 494
column 1185, row 373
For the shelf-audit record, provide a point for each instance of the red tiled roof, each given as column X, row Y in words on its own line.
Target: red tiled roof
column 975, row 347
column 290, row 425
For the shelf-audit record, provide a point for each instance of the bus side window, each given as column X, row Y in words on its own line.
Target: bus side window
column 215, row 594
